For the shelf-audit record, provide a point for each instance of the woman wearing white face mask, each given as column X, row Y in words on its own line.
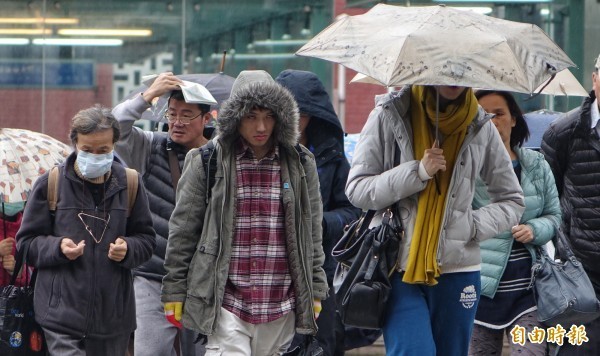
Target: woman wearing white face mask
column 85, row 250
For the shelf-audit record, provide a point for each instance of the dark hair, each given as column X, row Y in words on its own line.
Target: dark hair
column 178, row 95
column 520, row 132
column 94, row 119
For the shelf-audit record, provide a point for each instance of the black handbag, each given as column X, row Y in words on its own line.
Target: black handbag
column 366, row 258
column 309, row 347
column 563, row 292
column 20, row 334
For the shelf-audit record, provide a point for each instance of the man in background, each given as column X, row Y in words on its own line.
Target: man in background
column 571, row 146
column 321, row 132
column 158, row 157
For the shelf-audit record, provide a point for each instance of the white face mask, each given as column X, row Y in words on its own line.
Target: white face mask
column 94, row 165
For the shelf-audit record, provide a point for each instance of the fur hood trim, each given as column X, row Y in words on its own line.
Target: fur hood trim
column 269, row 95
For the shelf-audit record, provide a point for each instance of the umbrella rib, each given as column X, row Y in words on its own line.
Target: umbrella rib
column 402, row 49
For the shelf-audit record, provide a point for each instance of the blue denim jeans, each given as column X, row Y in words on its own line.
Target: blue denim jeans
column 432, row 320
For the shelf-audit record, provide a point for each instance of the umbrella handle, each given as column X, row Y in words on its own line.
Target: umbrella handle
column 436, row 180
column 437, row 136
column 222, row 66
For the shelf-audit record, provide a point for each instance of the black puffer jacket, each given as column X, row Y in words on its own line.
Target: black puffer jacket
column 326, row 142
column 572, row 148
column 161, row 196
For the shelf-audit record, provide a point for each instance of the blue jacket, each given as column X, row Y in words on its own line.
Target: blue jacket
column 326, row 142
column 542, row 213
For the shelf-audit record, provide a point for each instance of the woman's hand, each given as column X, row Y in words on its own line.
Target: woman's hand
column 433, row 160
column 6, row 246
column 523, row 233
column 8, row 263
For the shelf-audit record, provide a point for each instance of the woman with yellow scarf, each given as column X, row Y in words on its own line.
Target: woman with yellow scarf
column 445, row 141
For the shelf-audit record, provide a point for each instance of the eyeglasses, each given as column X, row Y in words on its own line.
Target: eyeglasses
column 185, row 119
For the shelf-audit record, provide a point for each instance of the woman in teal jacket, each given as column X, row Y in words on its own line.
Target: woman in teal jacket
column 506, row 259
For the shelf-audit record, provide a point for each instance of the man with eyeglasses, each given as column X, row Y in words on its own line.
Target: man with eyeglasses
column 159, row 157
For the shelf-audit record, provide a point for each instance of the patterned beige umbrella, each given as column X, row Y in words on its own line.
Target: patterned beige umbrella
column 439, row 45
column 26, row 155
column 564, row 84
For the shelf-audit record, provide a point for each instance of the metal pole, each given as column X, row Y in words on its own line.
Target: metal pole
column 43, row 93
column 341, row 91
column 183, row 33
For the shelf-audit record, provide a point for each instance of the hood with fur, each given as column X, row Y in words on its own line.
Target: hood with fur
column 264, row 94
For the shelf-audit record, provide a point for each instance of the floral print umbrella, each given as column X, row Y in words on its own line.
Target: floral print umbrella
column 26, row 155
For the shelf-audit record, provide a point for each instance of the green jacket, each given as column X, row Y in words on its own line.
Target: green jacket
column 542, row 213
column 200, row 236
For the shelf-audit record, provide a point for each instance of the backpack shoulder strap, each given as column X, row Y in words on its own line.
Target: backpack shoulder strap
column 52, row 188
column 301, row 153
column 209, row 162
column 132, row 188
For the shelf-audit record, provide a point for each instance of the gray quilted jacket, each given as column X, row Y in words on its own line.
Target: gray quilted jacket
column 373, row 182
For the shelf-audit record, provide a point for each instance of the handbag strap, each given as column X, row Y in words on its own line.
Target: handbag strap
column 369, row 214
column 562, row 251
column 20, row 259
column 174, row 167
column 562, row 246
column 365, row 221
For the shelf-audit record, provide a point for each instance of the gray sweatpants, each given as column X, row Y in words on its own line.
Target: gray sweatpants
column 154, row 334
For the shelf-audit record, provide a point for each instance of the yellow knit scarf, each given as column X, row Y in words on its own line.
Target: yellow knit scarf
column 422, row 265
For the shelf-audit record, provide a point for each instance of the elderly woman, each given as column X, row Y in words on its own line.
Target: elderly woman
column 85, row 249
column 506, row 259
column 436, row 287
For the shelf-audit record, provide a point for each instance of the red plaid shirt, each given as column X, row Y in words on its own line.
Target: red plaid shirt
column 259, row 287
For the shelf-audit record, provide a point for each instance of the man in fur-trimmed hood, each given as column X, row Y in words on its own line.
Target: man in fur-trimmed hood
column 254, row 276
column 258, row 89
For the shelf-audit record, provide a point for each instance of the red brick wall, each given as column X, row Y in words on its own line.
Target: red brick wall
column 22, row 108
column 359, row 97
